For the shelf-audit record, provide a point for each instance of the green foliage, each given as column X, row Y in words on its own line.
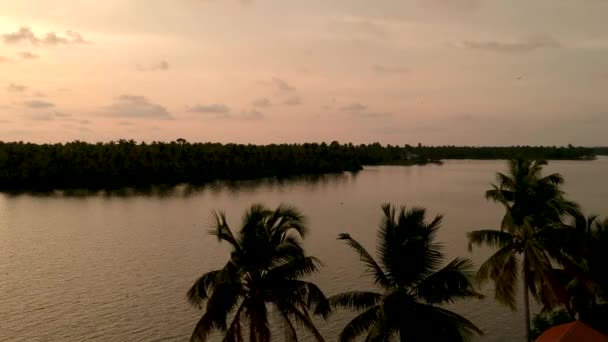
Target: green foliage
column 413, row 284
column 546, row 320
column 25, row 166
column 263, row 275
column 532, row 226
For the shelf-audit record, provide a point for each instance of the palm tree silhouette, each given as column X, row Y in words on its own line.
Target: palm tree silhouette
column 531, row 229
column 412, row 282
column 263, row 276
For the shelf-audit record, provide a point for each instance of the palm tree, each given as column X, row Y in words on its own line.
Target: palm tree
column 263, row 276
column 412, row 282
column 534, row 209
column 587, row 279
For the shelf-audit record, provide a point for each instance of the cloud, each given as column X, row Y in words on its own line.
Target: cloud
column 293, row 101
column 5, row 59
column 38, row 104
column 221, row 111
column 358, row 110
column 462, row 5
column 251, row 115
column 354, row 107
column 214, row 108
column 26, row 35
column 28, row 55
column 389, row 70
column 47, row 116
column 280, row 84
column 526, row 45
column 134, row 106
column 160, row 66
column 262, row 103
column 16, row 88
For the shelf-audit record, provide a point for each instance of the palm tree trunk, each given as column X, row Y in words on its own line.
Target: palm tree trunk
column 526, row 302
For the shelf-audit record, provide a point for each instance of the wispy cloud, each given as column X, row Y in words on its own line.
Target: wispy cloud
column 16, row 88
column 354, row 107
column 222, row 111
column 159, row 66
column 262, row 103
column 135, row 106
column 280, row 84
column 526, row 45
column 214, row 108
column 251, row 115
column 26, row 35
column 293, row 101
column 28, row 55
column 358, row 110
column 5, row 60
column 38, row 104
column 389, row 70
column 50, row 116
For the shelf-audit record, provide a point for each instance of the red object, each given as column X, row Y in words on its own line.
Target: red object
column 576, row 331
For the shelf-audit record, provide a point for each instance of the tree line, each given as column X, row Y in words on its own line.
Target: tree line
column 543, row 240
column 126, row 163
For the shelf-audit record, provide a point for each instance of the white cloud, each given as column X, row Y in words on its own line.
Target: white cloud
column 134, row 106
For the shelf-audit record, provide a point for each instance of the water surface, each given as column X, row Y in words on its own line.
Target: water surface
column 116, row 267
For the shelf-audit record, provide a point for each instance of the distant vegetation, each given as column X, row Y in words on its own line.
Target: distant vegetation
column 601, row 151
column 25, row 166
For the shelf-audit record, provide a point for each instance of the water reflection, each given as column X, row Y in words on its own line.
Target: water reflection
column 234, row 187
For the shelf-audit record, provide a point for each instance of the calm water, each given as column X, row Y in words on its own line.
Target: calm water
column 116, row 267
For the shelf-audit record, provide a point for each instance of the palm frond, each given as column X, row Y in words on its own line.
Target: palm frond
column 502, row 268
column 288, row 328
column 490, row 238
column 407, row 248
column 313, row 297
column 355, row 300
column 372, row 266
column 553, row 179
column 199, row 292
column 301, row 318
column 234, row 332
column 286, row 217
column 439, row 324
column 360, row 324
column 448, row 284
column 202, row 329
column 220, row 229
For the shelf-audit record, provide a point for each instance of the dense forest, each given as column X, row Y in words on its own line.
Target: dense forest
column 601, row 151
column 26, row 166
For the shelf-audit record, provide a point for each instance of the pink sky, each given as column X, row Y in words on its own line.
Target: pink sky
column 492, row 72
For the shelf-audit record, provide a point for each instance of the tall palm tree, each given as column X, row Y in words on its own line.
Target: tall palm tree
column 412, row 282
column 263, row 276
column 534, row 209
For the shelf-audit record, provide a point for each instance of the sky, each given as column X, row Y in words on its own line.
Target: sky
column 439, row 72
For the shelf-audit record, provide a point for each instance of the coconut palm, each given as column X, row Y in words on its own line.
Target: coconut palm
column 262, row 277
column 412, row 284
column 531, row 228
column 587, row 279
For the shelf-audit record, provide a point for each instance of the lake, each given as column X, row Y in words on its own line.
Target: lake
column 116, row 266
